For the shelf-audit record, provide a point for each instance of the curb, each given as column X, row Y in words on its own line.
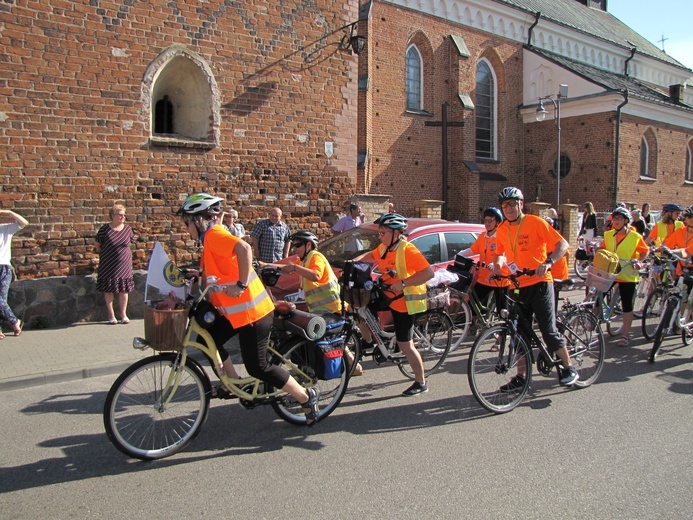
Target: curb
column 62, row 376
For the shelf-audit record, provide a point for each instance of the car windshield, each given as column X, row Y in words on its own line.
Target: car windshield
column 348, row 245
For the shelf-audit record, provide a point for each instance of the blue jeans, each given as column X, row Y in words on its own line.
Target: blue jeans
column 6, row 314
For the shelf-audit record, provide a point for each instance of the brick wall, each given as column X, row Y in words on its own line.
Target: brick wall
column 405, row 155
column 75, row 125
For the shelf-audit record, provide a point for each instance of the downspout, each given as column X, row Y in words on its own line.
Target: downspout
column 537, row 15
column 624, row 93
column 632, row 53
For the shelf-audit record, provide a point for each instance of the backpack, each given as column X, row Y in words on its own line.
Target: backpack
column 606, row 261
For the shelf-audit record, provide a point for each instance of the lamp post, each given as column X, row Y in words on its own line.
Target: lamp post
column 541, row 115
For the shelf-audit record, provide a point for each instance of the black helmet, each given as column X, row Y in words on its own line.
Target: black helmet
column 510, row 193
column 623, row 212
column 494, row 213
column 392, row 221
column 201, row 204
column 667, row 208
column 688, row 212
column 304, row 236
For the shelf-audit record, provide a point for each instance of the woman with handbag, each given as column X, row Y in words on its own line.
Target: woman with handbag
column 589, row 222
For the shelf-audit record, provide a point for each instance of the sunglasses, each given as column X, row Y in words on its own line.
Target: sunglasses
column 509, row 204
column 296, row 245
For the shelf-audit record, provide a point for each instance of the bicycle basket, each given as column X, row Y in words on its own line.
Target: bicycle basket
column 165, row 330
column 600, row 280
column 437, row 297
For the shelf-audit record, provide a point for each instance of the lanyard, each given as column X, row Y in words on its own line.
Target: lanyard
column 517, row 235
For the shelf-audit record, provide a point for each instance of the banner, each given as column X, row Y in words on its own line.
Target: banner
column 163, row 277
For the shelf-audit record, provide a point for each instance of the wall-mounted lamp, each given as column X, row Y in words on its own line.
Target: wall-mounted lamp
column 352, row 42
column 541, row 115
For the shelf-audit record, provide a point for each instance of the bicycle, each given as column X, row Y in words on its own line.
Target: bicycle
column 676, row 315
column 158, row 405
column 656, row 300
column 432, row 333
column 503, row 347
column 465, row 308
column 584, row 255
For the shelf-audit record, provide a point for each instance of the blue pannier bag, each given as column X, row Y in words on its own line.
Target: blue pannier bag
column 329, row 358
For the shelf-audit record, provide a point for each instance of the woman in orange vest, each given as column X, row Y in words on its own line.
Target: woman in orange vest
column 243, row 300
column 406, row 271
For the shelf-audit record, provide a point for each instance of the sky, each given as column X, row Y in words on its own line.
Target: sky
column 651, row 19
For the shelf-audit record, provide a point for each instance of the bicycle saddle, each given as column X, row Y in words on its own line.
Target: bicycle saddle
column 283, row 308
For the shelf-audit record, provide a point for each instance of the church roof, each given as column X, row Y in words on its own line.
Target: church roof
column 612, row 81
column 595, row 22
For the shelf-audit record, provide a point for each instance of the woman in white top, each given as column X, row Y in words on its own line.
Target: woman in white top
column 7, row 229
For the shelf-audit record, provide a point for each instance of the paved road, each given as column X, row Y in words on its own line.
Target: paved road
column 619, row 449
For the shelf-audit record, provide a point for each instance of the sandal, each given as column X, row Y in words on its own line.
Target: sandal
column 624, row 341
column 2, row 336
column 18, row 327
column 312, row 415
column 358, row 370
column 113, row 321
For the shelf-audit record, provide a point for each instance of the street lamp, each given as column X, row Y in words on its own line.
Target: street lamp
column 541, row 115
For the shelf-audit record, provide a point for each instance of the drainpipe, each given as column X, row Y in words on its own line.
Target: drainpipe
column 632, row 53
column 537, row 15
column 624, row 93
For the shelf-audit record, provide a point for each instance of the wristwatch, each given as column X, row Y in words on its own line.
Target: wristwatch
column 241, row 285
column 549, row 261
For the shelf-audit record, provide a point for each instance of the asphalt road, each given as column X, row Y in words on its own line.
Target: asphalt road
column 619, row 449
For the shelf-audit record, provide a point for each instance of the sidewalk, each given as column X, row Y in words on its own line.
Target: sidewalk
column 39, row 357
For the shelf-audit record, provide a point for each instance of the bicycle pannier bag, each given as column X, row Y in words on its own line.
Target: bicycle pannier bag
column 581, row 254
column 606, row 261
column 327, row 357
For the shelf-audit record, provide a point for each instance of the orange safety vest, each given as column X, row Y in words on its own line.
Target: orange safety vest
column 218, row 259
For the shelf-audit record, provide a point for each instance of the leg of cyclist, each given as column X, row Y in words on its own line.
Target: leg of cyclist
column 404, row 329
column 627, row 290
column 540, row 297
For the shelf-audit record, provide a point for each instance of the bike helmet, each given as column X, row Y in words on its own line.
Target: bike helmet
column 667, row 208
column 688, row 212
column 623, row 212
column 304, row 236
column 392, row 221
column 510, row 193
column 202, row 204
column 495, row 213
column 621, row 205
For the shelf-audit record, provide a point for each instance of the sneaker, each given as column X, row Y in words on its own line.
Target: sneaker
column 416, row 389
column 515, row 385
column 569, row 376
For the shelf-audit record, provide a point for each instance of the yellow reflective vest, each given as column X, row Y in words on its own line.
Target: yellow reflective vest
column 322, row 295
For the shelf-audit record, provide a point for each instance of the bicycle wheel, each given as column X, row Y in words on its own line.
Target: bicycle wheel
column 581, row 268
column 614, row 325
column 585, row 342
column 299, row 352
column 661, row 329
column 687, row 327
column 432, row 339
column 652, row 312
column 461, row 315
column 492, row 364
column 139, row 421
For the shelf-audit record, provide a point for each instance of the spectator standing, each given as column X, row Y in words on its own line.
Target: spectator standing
column 347, row 222
column 232, row 225
column 647, row 217
column 114, row 276
column 8, row 229
column 271, row 238
column 638, row 223
column 553, row 218
column 589, row 222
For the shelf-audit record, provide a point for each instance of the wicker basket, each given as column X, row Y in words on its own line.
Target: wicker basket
column 165, row 330
column 600, row 280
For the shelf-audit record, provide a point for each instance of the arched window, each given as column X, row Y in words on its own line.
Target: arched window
column 181, row 94
column 414, row 79
column 689, row 162
column 485, row 111
column 648, row 155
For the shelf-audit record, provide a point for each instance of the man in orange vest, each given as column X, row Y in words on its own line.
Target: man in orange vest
column 243, row 300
